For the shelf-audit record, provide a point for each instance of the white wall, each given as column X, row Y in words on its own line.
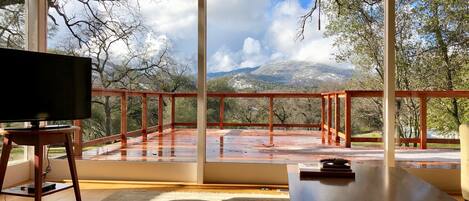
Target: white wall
column 447, row 180
column 125, row 170
column 17, row 172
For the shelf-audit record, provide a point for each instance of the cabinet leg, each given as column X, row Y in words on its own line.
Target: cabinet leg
column 38, row 156
column 4, row 159
column 72, row 166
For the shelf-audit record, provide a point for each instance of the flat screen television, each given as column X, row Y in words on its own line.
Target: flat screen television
column 43, row 87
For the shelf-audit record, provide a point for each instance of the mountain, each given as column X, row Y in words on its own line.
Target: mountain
column 284, row 73
column 231, row 73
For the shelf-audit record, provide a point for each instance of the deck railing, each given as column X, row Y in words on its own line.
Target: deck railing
column 221, row 124
column 328, row 130
column 326, row 114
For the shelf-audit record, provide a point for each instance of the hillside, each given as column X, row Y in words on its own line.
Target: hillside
column 283, row 74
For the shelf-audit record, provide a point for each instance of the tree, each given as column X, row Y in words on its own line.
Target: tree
column 12, row 24
column 98, row 30
column 431, row 43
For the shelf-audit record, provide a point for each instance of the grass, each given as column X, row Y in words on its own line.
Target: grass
column 17, row 153
column 377, row 135
column 443, row 146
column 55, row 152
column 380, row 144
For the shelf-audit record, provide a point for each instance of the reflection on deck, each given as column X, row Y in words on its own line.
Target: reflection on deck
column 259, row 146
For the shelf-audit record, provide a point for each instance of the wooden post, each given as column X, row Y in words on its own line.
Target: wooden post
column 337, row 118
column 201, row 90
column 124, row 119
column 323, row 119
column 271, row 113
column 329, row 119
column 160, row 114
column 423, row 122
column 144, row 117
column 78, row 139
column 173, row 111
column 348, row 120
column 222, row 111
column 36, row 25
column 389, row 89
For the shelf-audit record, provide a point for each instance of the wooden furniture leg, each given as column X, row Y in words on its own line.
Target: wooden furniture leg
column 72, row 166
column 39, row 138
column 4, row 159
column 38, row 156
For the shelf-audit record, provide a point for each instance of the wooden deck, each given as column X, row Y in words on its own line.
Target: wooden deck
column 259, row 146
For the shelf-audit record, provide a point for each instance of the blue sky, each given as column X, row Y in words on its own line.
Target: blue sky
column 241, row 33
column 305, row 3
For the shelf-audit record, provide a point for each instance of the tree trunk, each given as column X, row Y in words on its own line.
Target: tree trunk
column 443, row 48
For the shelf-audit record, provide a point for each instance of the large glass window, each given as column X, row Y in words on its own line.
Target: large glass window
column 288, row 81
column 142, row 53
column 266, row 77
column 431, row 55
column 332, row 55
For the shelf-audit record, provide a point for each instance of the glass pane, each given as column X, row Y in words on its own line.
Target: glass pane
column 432, row 56
column 12, row 35
column 268, row 75
column 142, row 53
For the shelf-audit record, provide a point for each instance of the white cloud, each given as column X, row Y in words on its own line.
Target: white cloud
column 237, row 15
column 283, row 31
column 177, row 18
column 251, row 46
column 253, row 53
column 317, row 51
column 241, row 33
column 272, row 38
column 230, row 22
column 222, row 60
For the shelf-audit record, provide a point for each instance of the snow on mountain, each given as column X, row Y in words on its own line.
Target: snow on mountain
column 300, row 73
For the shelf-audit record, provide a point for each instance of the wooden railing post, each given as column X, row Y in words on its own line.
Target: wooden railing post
column 173, row 111
column 144, row 117
column 329, row 119
column 222, row 111
column 124, row 119
column 348, row 120
column 78, row 138
column 323, row 119
column 271, row 113
column 423, row 122
column 160, row 114
column 337, row 118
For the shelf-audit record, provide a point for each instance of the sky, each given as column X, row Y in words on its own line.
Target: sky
column 241, row 33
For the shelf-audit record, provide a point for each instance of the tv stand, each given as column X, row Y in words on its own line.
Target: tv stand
column 38, row 138
column 38, row 128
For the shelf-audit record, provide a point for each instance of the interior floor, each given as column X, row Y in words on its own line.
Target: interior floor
column 142, row 191
column 138, row 191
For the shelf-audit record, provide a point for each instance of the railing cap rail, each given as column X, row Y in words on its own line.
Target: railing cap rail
column 352, row 93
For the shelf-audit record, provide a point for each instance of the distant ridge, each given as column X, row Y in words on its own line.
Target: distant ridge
column 230, row 73
column 284, row 73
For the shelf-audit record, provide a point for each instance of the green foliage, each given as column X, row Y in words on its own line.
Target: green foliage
column 431, row 54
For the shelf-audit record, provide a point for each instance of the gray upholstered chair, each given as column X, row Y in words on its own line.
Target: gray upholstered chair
column 464, row 137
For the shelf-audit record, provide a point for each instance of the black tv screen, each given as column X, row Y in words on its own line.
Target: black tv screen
column 41, row 86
